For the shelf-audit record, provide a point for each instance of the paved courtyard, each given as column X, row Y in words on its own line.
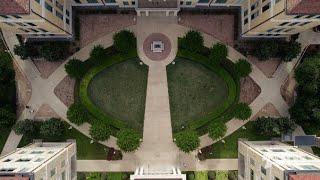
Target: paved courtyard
column 157, row 148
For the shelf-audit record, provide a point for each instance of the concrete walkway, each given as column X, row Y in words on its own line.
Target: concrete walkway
column 157, row 149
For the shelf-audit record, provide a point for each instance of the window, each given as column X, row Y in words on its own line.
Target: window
column 59, row 15
column 292, row 24
column 221, row 1
column 298, row 16
column 282, row 24
column 133, row 3
column 24, row 30
column 16, row 16
column 252, row 162
column 67, row 13
column 59, row 6
column 53, row 172
column 7, row 160
column 48, row 7
column 305, row 23
column 254, row 15
column 188, row 3
column 7, row 169
column 245, row 21
column 92, row 1
column 181, row 2
column 310, row 16
column 31, row 24
column 4, row 16
column 245, row 13
column 251, row 174
column 203, row 1
column 34, row 30
column 263, row 170
column 254, row 5
column 270, row 30
column 67, row 21
column 43, row 30
column 126, row 3
column 110, row 1
column 20, row 24
column 23, row 160
column 9, row 24
column 78, row 1
column 38, row 1
column 265, row 7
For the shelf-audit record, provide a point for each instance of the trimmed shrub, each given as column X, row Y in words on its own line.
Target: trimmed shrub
column 187, row 141
column 100, row 131
column 124, row 41
column 128, row 140
column 27, row 127
column 7, row 118
column 191, row 176
column 53, row 51
column 243, row 68
column 192, row 41
column 98, row 53
column 75, row 68
column 290, row 51
column 265, row 50
column 232, row 175
column 77, row 113
column 242, row 111
column 217, row 129
column 211, row 175
column 52, row 129
column 218, row 53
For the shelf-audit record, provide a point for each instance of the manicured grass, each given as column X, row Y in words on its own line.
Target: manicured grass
column 223, row 110
column 100, row 115
column 104, row 175
column 3, row 136
column 120, row 92
column 195, row 91
column 229, row 149
column 85, row 150
column 201, row 175
column 114, row 175
column 222, row 175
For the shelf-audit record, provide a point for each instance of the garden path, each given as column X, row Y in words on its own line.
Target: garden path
column 42, row 92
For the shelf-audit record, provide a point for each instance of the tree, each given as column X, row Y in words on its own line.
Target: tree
column 128, row 140
column 75, row 68
column 98, row 53
column 242, row 111
column 217, row 129
column 274, row 126
column 27, row 127
column 7, row 118
column 286, row 125
column 290, row 51
column 77, row 113
column 187, row 141
column 22, row 51
column 52, row 129
column 124, row 41
column 53, row 51
column 100, row 132
column 192, row 41
column 218, row 53
column 265, row 50
column 243, row 68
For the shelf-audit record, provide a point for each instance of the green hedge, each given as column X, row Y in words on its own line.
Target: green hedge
column 84, row 83
column 225, row 70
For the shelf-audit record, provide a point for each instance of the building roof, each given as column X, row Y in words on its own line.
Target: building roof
column 12, row 7
column 303, row 6
column 304, row 177
column 157, row 4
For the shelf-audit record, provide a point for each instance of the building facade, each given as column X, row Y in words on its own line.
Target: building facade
column 272, row 160
column 259, row 18
column 40, row 161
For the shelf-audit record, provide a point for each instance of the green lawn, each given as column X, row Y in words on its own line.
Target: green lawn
column 103, row 175
column 195, row 92
column 229, row 149
column 3, row 137
column 85, row 150
column 120, row 92
column 222, row 175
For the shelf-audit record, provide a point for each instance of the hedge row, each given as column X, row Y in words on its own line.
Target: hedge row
column 83, row 92
column 227, row 71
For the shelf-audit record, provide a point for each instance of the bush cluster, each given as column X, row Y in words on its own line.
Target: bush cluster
column 124, row 41
column 242, row 111
column 217, row 129
column 243, row 68
column 306, row 109
column 218, row 53
column 78, row 114
column 100, row 131
column 192, row 41
column 52, row 129
column 187, row 141
column 75, row 68
column 128, row 140
column 98, row 53
column 274, row 126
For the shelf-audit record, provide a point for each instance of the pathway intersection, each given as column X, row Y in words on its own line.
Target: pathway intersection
column 157, row 149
